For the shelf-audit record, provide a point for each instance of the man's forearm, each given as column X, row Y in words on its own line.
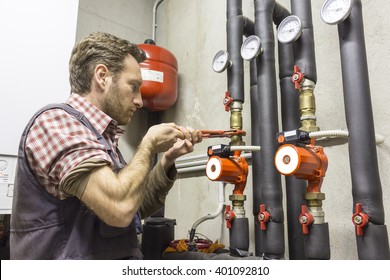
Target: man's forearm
column 157, row 186
column 116, row 198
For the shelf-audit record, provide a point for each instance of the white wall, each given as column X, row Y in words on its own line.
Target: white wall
column 36, row 42
column 37, row 38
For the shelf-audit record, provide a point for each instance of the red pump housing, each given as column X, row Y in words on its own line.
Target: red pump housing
column 160, row 78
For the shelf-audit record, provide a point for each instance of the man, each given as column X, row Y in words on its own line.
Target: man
column 75, row 197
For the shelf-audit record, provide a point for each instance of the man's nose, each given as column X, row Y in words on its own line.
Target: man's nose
column 138, row 100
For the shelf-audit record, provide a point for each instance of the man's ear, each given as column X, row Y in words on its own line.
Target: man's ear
column 101, row 75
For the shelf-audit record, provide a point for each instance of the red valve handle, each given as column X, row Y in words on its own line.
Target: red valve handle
column 305, row 219
column 226, row 101
column 263, row 217
column 297, row 78
column 229, row 216
column 359, row 219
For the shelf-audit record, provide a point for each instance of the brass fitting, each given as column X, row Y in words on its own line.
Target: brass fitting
column 236, row 122
column 314, row 205
column 238, row 204
column 307, row 106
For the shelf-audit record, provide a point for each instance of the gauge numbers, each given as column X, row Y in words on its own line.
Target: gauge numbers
column 221, row 61
column 251, row 47
column 335, row 11
column 290, row 29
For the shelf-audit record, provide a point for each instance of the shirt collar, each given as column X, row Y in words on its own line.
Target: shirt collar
column 100, row 120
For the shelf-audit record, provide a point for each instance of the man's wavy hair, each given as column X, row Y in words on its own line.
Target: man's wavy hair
column 99, row 48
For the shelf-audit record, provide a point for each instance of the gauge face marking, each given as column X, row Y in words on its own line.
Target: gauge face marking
column 221, row 61
column 251, row 47
column 289, row 29
column 335, row 11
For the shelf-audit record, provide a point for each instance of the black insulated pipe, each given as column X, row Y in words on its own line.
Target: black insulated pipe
column 249, row 27
column 366, row 184
column 317, row 243
column 279, row 14
column 295, row 188
column 256, row 157
column 304, row 47
column 272, row 239
column 235, row 30
column 238, row 235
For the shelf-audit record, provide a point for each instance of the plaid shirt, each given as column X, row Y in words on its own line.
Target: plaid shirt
column 57, row 142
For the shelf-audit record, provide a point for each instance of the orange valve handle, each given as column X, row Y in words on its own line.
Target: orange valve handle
column 232, row 170
column 309, row 163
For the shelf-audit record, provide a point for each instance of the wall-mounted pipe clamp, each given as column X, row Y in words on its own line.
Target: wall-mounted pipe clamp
column 359, row 219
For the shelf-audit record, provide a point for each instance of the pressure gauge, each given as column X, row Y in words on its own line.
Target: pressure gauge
column 251, row 47
column 221, row 61
column 289, row 29
column 335, row 11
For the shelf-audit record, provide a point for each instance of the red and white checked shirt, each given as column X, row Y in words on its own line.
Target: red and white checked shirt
column 57, row 142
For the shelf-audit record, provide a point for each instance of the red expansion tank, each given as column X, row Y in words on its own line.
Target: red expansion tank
column 160, row 78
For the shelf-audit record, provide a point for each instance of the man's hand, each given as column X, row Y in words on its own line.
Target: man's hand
column 182, row 146
column 163, row 136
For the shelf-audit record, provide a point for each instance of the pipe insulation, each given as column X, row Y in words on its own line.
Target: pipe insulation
column 304, row 52
column 366, row 184
column 295, row 188
column 235, row 32
column 269, row 242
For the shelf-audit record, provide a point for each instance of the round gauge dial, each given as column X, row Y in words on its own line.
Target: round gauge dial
column 335, row 11
column 251, row 47
column 221, row 61
column 290, row 29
